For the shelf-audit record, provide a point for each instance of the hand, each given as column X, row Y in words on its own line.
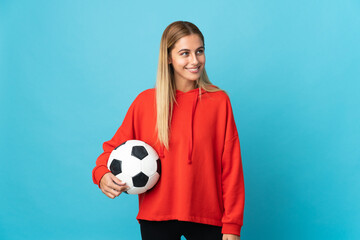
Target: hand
column 230, row 237
column 111, row 186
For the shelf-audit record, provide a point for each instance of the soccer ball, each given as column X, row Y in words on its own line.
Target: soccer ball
column 137, row 164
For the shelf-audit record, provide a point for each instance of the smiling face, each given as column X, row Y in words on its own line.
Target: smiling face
column 188, row 60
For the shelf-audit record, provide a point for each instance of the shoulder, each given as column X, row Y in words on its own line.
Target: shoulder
column 149, row 91
column 145, row 95
column 221, row 95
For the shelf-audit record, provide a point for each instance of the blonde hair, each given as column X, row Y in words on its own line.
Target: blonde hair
column 165, row 82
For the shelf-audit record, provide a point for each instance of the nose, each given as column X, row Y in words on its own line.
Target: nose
column 194, row 59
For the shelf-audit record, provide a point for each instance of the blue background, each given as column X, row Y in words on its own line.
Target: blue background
column 69, row 71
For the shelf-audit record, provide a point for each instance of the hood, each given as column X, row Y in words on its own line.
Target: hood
column 194, row 94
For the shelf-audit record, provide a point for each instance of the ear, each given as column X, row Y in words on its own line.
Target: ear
column 169, row 60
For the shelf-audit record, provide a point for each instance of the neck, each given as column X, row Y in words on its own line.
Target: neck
column 185, row 86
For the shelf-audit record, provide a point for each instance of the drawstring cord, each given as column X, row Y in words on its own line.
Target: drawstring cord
column 191, row 128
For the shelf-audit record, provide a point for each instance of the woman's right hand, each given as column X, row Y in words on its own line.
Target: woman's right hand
column 111, row 186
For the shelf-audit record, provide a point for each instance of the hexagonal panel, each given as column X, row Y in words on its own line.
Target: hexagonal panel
column 148, row 166
column 127, row 179
column 152, row 181
column 131, row 166
column 120, row 145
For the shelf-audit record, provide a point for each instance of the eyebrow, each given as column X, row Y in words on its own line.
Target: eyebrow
column 184, row 49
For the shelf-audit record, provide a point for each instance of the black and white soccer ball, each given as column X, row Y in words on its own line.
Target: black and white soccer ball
column 137, row 164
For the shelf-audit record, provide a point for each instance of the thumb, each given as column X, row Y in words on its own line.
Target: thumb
column 116, row 180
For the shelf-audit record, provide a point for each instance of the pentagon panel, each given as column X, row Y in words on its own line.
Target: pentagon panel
column 140, row 180
column 158, row 166
column 139, row 152
column 115, row 166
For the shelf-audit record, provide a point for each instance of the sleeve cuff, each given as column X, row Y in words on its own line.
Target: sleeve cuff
column 99, row 172
column 231, row 228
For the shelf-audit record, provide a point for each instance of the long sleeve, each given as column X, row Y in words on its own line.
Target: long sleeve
column 125, row 132
column 232, row 179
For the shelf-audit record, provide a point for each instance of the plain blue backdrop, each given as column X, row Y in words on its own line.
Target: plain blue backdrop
column 69, row 71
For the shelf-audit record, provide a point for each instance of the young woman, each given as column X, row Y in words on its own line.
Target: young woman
column 190, row 123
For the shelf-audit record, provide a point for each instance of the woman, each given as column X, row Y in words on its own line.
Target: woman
column 200, row 193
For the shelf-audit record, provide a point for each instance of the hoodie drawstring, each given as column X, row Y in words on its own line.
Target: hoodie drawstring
column 191, row 128
column 161, row 152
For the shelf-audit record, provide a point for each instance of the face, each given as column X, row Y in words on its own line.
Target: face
column 188, row 58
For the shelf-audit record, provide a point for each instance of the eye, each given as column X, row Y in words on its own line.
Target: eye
column 200, row 51
column 182, row 54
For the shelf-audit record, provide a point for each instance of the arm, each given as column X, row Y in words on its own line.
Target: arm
column 125, row 132
column 232, row 179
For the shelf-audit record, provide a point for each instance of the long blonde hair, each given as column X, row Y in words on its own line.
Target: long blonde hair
column 165, row 81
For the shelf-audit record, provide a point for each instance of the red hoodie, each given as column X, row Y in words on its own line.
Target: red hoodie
column 201, row 173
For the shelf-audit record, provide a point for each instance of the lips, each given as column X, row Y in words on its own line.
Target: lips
column 193, row 70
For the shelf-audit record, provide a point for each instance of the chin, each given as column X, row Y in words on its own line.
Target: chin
column 194, row 78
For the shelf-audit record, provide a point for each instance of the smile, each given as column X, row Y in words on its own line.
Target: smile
column 193, row 70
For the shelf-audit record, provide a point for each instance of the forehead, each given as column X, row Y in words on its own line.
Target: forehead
column 192, row 41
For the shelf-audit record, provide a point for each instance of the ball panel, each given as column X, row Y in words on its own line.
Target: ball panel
column 151, row 151
column 131, row 166
column 120, row 145
column 136, row 190
column 115, row 166
column 152, row 181
column 120, row 153
column 148, row 166
column 158, row 163
column 125, row 178
column 139, row 152
column 140, row 179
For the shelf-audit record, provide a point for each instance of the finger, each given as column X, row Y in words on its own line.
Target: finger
column 125, row 188
column 114, row 192
column 117, row 190
column 113, row 189
column 109, row 194
column 117, row 181
column 115, row 186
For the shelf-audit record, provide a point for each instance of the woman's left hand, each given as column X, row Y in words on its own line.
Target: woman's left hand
column 230, row 237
